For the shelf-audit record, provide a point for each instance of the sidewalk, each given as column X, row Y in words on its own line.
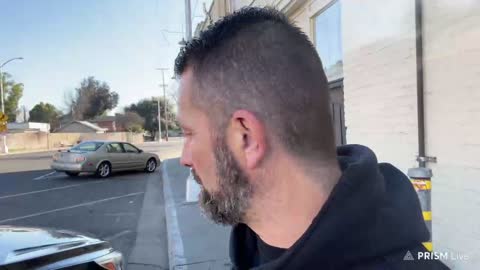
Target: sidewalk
column 193, row 241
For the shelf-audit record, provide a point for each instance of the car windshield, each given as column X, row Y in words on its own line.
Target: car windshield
column 87, row 146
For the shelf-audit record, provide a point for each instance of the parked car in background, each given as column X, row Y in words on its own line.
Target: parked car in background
column 42, row 249
column 102, row 158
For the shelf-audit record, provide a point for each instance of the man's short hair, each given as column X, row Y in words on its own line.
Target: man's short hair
column 256, row 60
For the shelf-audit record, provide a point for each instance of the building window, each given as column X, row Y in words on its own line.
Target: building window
column 328, row 40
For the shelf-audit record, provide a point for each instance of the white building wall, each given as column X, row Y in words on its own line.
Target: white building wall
column 380, row 78
column 43, row 127
column 452, row 82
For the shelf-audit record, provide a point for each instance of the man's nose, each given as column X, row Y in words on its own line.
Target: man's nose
column 186, row 158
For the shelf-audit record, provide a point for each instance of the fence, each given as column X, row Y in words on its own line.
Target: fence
column 45, row 141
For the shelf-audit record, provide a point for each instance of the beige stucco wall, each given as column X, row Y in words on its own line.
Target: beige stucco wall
column 219, row 9
column 44, row 141
column 452, row 81
column 32, row 141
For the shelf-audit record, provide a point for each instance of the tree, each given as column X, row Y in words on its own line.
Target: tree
column 148, row 109
column 45, row 113
column 93, row 98
column 13, row 92
column 130, row 121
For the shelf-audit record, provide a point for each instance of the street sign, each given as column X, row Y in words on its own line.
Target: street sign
column 3, row 117
column 3, row 122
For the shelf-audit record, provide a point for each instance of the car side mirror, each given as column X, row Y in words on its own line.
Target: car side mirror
column 140, row 151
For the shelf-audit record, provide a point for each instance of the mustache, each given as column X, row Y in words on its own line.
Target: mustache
column 195, row 176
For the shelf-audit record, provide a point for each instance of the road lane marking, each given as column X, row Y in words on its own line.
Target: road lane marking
column 71, row 207
column 46, row 190
column 55, row 177
column 115, row 236
column 44, row 176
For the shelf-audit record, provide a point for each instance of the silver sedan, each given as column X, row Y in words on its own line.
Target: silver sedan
column 103, row 158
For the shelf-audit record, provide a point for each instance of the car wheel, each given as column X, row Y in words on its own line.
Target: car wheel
column 151, row 165
column 72, row 174
column 104, row 170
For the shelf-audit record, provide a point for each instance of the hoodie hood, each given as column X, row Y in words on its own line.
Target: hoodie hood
column 371, row 212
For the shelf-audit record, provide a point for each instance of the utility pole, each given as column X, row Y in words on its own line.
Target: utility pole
column 188, row 20
column 159, row 120
column 1, row 90
column 25, row 120
column 192, row 188
column 163, row 85
column 5, row 147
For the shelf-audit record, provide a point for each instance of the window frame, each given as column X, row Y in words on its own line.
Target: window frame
column 123, row 146
column 98, row 145
column 119, row 144
column 313, row 27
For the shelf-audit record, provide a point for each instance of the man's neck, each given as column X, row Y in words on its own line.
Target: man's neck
column 282, row 212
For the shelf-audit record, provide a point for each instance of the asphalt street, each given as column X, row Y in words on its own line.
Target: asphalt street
column 31, row 194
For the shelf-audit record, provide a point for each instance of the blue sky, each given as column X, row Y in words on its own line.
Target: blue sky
column 117, row 41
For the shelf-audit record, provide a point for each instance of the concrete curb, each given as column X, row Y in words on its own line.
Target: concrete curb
column 33, row 151
column 176, row 258
column 149, row 239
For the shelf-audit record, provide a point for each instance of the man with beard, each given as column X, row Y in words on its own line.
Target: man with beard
column 254, row 108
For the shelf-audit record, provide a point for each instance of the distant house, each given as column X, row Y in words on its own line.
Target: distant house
column 80, row 127
column 28, row 127
column 65, row 119
column 108, row 122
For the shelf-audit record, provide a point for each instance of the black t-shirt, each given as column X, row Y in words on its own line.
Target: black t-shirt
column 267, row 253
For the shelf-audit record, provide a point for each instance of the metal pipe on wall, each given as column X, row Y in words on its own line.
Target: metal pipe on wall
column 421, row 177
column 420, row 83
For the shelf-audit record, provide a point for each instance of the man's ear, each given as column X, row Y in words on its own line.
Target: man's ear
column 248, row 138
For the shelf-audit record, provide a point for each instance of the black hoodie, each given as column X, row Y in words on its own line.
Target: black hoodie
column 371, row 220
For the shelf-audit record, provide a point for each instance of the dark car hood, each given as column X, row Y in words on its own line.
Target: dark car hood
column 24, row 243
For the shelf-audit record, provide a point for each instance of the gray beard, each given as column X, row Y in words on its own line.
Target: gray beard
column 229, row 204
